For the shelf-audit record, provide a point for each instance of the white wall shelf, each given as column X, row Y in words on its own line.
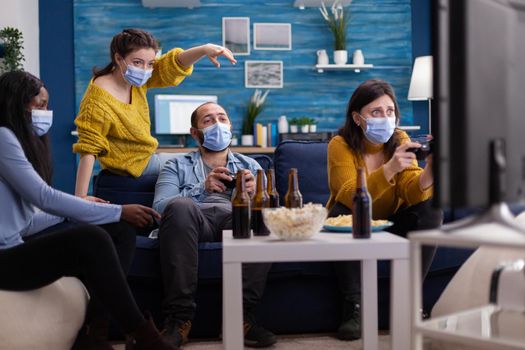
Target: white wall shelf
column 410, row 127
column 302, row 4
column 355, row 67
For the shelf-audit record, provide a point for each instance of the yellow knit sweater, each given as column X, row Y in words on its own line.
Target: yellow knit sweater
column 118, row 133
column 387, row 196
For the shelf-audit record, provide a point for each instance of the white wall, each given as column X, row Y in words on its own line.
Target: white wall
column 23, row 15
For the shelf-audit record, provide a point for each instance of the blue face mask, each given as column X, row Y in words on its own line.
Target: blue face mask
column 217, row 137
column 379, row 130
column 137, row 76
column 41, row 121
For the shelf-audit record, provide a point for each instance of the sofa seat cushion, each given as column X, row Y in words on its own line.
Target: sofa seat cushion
column 309, row 157
column 47, row 318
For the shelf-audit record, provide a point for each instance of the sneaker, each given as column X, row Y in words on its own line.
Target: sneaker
column 257, row 337
column 350, row 328
column 176, row 331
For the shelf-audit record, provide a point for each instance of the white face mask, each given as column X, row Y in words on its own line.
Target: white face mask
column 379, row 130
column 137, row 76
column 41, row 121
column 217, row 137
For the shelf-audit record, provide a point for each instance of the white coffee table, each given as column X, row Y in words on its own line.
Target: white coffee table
column 323, row 247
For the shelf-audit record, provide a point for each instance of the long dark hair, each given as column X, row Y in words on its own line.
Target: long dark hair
column 365, row 93
column 17, row 89
column 123, row 43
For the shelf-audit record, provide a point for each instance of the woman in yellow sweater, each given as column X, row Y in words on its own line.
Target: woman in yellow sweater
column 113, row 122
column 400, row 190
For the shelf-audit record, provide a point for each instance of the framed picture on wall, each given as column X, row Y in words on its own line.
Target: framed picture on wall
column 263, row 74
column 236, row 34
column 272, row 36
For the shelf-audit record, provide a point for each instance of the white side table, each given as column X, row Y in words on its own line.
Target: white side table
column 323, row 247
column 485, row 327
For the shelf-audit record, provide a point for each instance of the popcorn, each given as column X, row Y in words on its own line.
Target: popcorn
column 295, row 223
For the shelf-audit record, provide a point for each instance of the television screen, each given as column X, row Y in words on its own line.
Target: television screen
column 479, row 86
column 173, row 112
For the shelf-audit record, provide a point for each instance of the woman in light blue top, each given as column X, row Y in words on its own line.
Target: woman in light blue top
column 29, row 204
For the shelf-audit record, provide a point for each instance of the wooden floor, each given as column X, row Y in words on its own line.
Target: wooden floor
column 295, row 342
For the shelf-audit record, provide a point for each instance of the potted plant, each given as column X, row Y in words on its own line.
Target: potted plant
column 303, row 122
column 337, row 21
column 313, row 125
column 235, row 141
column 255, row 107
column 11, row 39
column 294, row 125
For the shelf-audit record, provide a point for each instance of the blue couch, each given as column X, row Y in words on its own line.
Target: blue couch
column 300, row 297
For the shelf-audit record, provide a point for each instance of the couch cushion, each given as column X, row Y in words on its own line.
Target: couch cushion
column 309, row 157
column 130, row 190
column 125, row 189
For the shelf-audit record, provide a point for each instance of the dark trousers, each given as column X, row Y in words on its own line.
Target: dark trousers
column 123, row 237
column 420, row 216
column 183, row 226
column 84, row 251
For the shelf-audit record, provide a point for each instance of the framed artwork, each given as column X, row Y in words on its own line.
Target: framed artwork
column 272, row 36
column 236, row 34
column 263, row 74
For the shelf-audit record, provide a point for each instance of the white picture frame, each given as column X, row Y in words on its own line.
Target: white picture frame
column 236, row 35
column 263, row 74
column 272, row 36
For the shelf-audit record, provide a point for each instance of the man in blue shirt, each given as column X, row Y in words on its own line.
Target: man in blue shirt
column 196, row 207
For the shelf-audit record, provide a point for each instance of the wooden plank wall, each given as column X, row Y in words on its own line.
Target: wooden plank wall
column 382, row 29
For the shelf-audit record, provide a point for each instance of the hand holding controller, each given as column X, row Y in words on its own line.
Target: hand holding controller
column 230, row 184
column 425, row 149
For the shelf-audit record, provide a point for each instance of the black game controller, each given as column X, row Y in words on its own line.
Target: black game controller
column 230, row 184
column 425, row 149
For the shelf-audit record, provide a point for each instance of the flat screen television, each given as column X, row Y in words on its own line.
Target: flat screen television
column 173, row 112
column 479, row 110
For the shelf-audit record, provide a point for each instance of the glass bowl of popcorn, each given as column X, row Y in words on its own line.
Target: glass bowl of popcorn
column 295, row 223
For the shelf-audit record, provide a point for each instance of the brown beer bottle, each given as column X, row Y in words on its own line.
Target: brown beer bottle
column 361, row 208
column 241, row 209
column 293, row 198
column 272, row 191
column 260, row 200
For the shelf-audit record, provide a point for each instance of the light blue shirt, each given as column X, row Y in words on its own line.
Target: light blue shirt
column 28, row 204
column 184, row 176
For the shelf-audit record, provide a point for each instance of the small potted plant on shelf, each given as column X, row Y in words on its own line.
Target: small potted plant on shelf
column 294, row 125
column 313, row 125
column 255, row 107
column 304, row 122
column 11, row 39
column 235, row 141
column 337, row 21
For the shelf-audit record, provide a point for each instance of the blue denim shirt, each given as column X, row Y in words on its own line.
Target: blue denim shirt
column 184, row 176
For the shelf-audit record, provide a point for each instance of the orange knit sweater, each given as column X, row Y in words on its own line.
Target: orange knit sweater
column 387, row 197
column 118, row 133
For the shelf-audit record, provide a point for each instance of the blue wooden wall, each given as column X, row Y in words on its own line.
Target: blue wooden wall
column 382, row 29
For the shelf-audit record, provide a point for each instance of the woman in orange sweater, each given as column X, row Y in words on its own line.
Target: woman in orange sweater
column 399, row 188
column 113, row 122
